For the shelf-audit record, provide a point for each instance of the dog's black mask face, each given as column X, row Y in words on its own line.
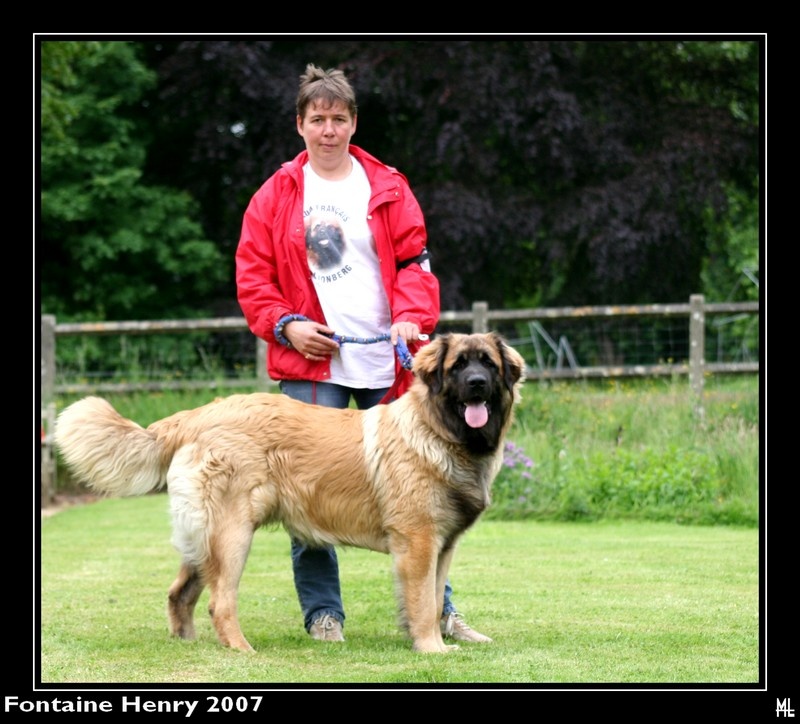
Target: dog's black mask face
column 473, row 391
column 472, row 381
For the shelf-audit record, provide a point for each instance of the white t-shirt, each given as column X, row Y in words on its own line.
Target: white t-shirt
column 344, row 265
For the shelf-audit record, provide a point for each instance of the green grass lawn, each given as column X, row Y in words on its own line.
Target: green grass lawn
column 608, row 602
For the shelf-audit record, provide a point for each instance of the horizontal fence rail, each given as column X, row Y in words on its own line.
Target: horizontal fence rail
column 548, row 358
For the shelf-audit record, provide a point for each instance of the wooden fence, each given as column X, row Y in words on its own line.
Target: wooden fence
column 480, row 318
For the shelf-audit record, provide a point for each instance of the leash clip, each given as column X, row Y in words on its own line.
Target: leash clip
column 406, row 360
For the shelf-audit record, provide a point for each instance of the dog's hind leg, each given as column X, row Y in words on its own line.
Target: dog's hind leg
column 181, row 600
column 189, row 521
column 212, row 529
column 229, row 547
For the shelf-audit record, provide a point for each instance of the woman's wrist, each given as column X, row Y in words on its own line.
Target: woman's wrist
column 282, row 322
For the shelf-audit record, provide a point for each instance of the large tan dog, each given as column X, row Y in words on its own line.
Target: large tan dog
column 407, row 478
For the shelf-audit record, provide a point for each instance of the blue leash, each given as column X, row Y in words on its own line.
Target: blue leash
column 401, row 349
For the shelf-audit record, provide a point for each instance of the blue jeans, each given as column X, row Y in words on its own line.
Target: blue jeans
column 316, row 570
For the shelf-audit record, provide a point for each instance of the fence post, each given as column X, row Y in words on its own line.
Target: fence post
column 48, row 408
column 697, row 351
column 48, row 372
column 480, row 319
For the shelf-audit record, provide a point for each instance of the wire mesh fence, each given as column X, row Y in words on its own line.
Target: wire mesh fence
column 555, row 342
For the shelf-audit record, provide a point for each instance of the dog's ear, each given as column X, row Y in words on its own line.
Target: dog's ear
column 429, row 363
column 513, row 362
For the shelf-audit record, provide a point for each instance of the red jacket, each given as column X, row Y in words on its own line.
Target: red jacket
column 272, row 274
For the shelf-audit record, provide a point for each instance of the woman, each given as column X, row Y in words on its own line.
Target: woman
column 332, row 270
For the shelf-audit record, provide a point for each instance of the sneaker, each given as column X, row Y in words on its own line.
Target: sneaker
column 326, row 628
column 455, row 627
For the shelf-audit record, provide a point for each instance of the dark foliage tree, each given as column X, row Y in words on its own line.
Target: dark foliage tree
column 550, row 171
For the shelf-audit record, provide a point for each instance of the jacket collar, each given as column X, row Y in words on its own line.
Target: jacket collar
column 376, row 170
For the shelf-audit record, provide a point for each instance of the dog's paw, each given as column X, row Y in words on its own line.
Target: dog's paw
column 433, row 647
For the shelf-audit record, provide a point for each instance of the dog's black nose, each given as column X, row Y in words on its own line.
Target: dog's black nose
column 477, row 382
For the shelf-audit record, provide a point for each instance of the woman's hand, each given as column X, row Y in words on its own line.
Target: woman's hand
column 311, row 339
column 407, row 331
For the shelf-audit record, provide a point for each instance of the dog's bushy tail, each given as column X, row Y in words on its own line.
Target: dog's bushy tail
column 110, row 453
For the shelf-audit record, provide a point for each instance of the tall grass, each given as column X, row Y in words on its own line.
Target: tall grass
column 635, row 450
column 602, row 450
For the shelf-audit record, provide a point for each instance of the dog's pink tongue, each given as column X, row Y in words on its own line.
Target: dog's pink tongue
column 476, row 414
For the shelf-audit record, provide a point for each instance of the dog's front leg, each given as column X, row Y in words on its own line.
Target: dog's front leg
column 416, row 567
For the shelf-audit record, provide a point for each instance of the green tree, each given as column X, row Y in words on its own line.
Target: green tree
column 731, row 269
column 110, row 244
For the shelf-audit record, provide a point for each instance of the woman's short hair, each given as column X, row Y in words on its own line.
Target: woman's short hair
column 329, row 86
